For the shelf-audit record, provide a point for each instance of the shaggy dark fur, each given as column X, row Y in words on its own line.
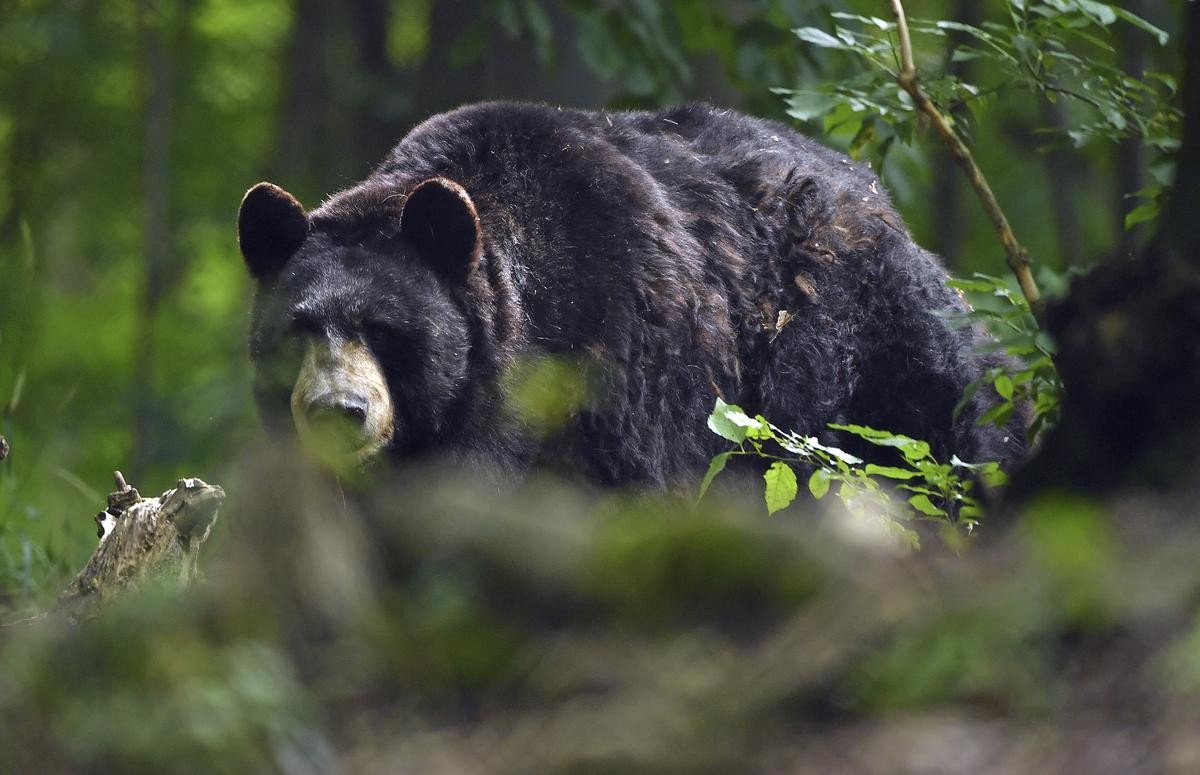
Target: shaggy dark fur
column 659, row 248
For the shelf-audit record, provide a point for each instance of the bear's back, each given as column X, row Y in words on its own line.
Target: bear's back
column 694, row 253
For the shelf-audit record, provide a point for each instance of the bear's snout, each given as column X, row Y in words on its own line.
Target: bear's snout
column 337, row 407
column 341, row 405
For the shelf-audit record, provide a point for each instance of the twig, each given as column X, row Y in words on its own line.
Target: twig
column 1017, row 256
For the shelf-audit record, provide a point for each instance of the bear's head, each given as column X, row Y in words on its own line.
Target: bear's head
column 360, row 334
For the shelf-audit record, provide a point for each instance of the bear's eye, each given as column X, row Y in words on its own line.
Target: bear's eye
column 375, row 334
column 306, row 326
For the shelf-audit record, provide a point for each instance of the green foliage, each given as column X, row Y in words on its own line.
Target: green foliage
column 517, row 19
column 1035, row 383
column 635, row 44
column 1152, row 197
column 654, row 53
column 1047, row 48
column 961, row 655
column 545, row 392
column 1071, row 544
column 81, row 330
column 657, row 562
column 549, row 629
column 937, row 492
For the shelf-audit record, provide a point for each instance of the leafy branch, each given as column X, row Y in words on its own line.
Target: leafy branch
column 934, row 491
column 1036, row 50
column 1035, row 383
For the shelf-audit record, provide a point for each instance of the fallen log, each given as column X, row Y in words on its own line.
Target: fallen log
column 141, row 539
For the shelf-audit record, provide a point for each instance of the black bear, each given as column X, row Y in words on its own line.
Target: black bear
column 677, row 256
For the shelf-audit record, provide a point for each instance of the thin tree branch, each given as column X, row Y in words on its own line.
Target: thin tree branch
column 906, row 55
column 1017, row 256
column 1071, row 93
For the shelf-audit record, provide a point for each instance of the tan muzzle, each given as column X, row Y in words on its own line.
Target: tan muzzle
column 341, row 404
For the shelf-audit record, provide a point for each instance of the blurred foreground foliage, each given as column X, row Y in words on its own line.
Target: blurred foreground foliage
column 432, row 628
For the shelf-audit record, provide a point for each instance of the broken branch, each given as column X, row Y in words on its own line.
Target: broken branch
column 143, row 538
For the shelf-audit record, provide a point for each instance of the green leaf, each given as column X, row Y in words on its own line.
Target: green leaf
column 998, row 415
column 819, row 37
column 971, row 286
column 715, row 467
column 922, row 504
column 808, row 105
column 866, row 20
column 890, row 472
column 1143, row 25
column 970, row 511
column 1166, row 79
column 756, row 427
column 964, row 54
column 1101, row 12
column 1004, row 386
column 912, row 449
column 1025, row 44
column 968, row 394
column 781, row 486
column 1141, row 214
column 720, row 424
column 993, row 476
column 862, row 137
column 818, row 483
column 838, row 454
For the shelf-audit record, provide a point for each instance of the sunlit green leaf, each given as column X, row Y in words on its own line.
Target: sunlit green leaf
column 1142, row 24
column 716, row 466
column 808, row 105
column 922, row 504
column 998, row 415
column 891, row 472
column 818, row 483
column 819, row 37
column 1141, row 214
column 720, row 424
column 782, row 486
column 1004, row 386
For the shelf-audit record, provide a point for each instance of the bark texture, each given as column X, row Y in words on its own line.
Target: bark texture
column 143, row 538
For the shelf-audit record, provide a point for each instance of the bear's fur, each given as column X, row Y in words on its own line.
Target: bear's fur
column 678, row 255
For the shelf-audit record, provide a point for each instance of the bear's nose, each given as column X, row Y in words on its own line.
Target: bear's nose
column 337, row 408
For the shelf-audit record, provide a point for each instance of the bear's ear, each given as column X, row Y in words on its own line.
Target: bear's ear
column 440, row 218
column 272, row 225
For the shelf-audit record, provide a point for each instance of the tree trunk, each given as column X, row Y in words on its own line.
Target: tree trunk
column 299, row 144
column 507, row 69
column 1062, row 172
column 156, row 230
column 378, row 125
